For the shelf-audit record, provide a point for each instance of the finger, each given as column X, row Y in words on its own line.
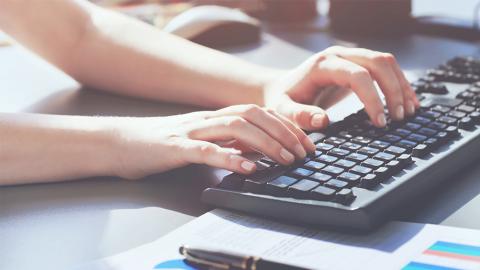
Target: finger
column 307, row 117
column 236, row 145
column 354, row 53
column 374, row 61
column 411, row 102
column 270, row 124
column 348, row 74
column 307, row 143
column 235, row 127
column 202, row 152
column 381, row 66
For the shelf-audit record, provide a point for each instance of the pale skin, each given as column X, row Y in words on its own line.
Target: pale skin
column 254, row 107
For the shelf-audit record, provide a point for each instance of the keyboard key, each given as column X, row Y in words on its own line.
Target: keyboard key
column 344, row 196
column 339, row 152
column 362, row 170
column 368, row 150
column 279, row 185
column 350, row 146
column 344, row 163
column 372, row 163
column 412, row 126
column 332, row 170
column 379, row 144
column 395, row 150
column 357, row 157
column 421, row 120
column 326, row 158
column 405, row 159
column 382, row 173
column 267, row 160
column 322, row 193
column 451, row 131
column 346, row 135
column 336, row 184
column 301, row 172
column 374, row 133
column 466, row 95
column 320, row 177
column 255, row 182
column 233, row 181
column 466, row 123
column 369, row 181
column 475, row 116
column 301, row 188
column 420, row 150
column 315, row 137
column 335, row 140
column 402, row 132
column 466, row 108
column 324, row 146
column 427, row 132
column 361, row 140
column 447, row 120
column 391, row 138
column 406, row 144
column 437, row 125
column 456, row 114
column 440, row 108
column 416, row 137
column 394, row 166
column 430, row 114
column 442, row 136
column 314, row 165
column 384, row 156
column 351, row 178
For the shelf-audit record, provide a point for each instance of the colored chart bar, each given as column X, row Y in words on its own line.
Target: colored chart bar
column 424, row 266
column 454, row 251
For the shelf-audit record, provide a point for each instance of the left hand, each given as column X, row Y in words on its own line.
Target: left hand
column 352, row 68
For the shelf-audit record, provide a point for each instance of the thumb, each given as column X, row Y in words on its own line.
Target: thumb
column 307, row 117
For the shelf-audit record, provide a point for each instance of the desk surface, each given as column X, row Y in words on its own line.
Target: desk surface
column 57, row 226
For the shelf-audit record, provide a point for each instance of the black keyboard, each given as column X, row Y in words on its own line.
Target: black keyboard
column 360, row 174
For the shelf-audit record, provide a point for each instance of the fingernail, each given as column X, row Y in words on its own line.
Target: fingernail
column 317, row 120
column 247, row 165
column 300, row 151
column 309, row 143
column 382, row 121
column 287, row 156
column 399, row 112
column 410, row 107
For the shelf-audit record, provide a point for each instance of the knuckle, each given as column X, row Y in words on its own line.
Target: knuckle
column 236, row 122
column 252, row 110
column 206, row 150
column 360, row 75
column 385, row 58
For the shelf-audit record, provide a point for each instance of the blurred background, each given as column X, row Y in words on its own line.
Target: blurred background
column 219, row 28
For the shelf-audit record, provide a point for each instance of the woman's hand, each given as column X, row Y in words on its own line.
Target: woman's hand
column 150, row 145
column 352, row 68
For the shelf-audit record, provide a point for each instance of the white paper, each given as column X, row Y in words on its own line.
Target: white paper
column 393, row 246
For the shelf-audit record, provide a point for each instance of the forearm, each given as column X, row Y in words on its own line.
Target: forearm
column 137, row 59
column 109, row 51
column 47, row 148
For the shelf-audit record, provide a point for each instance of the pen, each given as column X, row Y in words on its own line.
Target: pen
column 215, row 259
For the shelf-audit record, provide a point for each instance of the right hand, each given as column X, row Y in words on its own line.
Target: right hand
column 145, row 146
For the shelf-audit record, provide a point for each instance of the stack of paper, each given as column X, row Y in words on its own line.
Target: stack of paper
column 397, row 245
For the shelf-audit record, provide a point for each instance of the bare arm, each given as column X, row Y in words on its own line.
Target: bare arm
column 113, row 52
column 39, row 148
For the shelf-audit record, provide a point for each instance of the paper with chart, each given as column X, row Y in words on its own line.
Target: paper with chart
column 397, row 245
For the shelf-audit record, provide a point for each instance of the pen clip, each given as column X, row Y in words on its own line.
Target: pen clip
column 233, row 261
column 210, row 264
